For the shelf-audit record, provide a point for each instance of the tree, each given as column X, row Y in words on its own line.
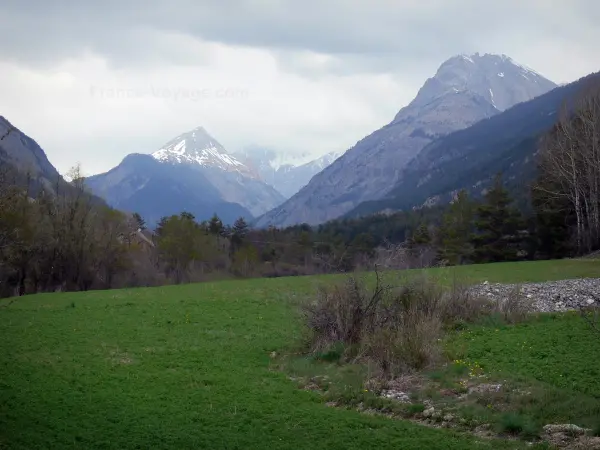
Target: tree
column 554, row 219
column 187, row 215
column 177, row 244
column 238, row 233
column 244, row 260
column 421, row 235
column 454, row 243
column 499, row 227
column 569, row 161
column 139, row 221
column 305, row 244
column 215, row 225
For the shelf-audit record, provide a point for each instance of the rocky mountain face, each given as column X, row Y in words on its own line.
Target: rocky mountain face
column 469, row 159
column 464, row 90
column 192, row 172
column 23, row 155
column 286, row 177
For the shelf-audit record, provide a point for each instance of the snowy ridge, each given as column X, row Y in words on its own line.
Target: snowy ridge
column 287, row 172
column 198, row 147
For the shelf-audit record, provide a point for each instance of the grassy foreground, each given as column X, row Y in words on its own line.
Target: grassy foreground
column 188, row 367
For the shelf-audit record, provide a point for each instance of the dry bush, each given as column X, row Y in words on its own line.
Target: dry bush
column 462, row 306
column 515, row 307
column 396, row 328
column 591, row 314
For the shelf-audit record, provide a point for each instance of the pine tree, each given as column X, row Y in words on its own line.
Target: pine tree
column 499, row 227
column 454, row 245
column 215, row 225
column 238, row 233
column 554, row 218
column 240, row 228
column 421, row 235
column 139, row 221
column 418, row 239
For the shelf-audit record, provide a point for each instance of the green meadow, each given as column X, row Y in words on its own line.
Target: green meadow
column 190, row 366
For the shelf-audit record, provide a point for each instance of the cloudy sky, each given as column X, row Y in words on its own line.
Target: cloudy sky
column 93, row 81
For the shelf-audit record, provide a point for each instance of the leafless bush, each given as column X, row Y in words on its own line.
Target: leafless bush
column 591, row 313
column 397, row 328
column 515, row 307
column 461, row 305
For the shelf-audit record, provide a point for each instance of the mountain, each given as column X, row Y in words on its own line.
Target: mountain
column 24, row 156
column 470, row 158
column 192, row 172
column 464, row 90
column 286, row 177
column 142, row 184
column 197, row 147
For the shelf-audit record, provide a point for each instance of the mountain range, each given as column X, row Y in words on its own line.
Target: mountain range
column 465, row 90
column 469, row 159
column 286, row 177
column 192, row 172
column 477, row 115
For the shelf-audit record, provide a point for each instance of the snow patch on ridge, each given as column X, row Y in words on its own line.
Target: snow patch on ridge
column 198, row 148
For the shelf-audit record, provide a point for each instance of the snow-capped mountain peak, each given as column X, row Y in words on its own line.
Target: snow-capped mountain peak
column 498, row 79
column 199, row 147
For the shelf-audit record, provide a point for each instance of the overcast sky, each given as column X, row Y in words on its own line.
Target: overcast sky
column 93, row 80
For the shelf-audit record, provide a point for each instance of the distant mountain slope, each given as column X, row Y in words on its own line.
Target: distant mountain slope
column 191, row 172
column 468, row 159
column 464, row 90
column 23, row 161
column 24, row 155
column 286, row 178
column 144, row 185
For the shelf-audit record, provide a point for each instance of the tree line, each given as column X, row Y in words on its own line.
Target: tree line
column 62, row 238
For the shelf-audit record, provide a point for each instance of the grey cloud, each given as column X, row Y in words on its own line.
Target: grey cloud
column 379, row 35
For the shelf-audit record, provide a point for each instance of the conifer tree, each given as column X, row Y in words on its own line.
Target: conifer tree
column 215, row 225
column 454, row 234
column 499, row 227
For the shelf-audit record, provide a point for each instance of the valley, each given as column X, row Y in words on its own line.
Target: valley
column 390, row 240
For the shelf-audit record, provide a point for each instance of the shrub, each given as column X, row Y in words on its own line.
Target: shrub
column 462, row 306
column 415, row 408
column 397, row 328
column 517, row 424
column 591, row 315
column 515, row 307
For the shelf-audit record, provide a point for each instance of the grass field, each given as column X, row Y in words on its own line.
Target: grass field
column 552, row 357
column 189, row 367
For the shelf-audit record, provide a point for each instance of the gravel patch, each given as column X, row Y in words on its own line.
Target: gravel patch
column 549, row 296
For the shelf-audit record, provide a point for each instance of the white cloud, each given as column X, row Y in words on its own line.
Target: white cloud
column 125, row 77
column 86, row 111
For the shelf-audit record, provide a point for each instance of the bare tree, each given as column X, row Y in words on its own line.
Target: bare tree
column 569, row 163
